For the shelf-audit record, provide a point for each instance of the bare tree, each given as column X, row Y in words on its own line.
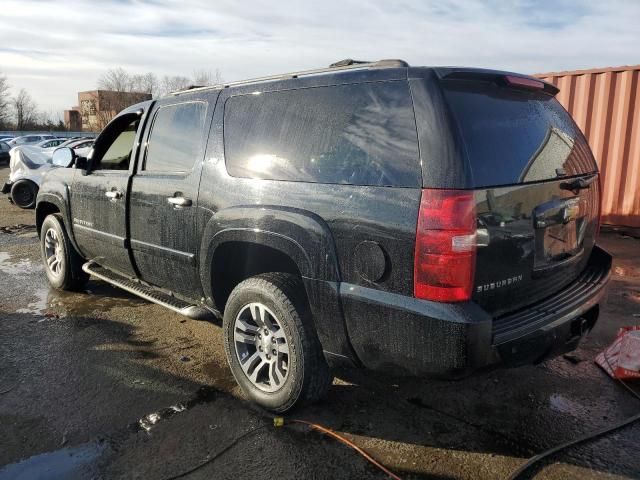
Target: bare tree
column 25, row 109
column 5, row 100
column 174, row 83
column 119, row 80
column 207, row 77
column 115, row 79
column 50, row 120
column 146, row 83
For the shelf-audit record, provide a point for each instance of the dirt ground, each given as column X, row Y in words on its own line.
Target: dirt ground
column 102, row 384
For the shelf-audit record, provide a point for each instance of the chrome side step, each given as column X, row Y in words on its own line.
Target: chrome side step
column 149, row 293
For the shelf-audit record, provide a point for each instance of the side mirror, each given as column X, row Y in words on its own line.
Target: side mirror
column 63, row 157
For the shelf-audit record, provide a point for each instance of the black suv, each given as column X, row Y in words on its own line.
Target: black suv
column 421, row 221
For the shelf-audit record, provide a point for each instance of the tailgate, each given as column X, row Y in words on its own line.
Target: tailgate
column 536, row 189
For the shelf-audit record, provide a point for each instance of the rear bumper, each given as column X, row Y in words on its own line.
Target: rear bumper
column 403, row 335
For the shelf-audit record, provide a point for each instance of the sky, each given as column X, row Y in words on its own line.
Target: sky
column 56, row 48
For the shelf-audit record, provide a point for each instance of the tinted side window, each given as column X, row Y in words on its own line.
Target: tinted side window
column 362, row 134
column 176, row 139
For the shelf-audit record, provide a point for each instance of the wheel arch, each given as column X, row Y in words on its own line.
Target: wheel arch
column 304, row 244
column 304, row 238
column 48, row 203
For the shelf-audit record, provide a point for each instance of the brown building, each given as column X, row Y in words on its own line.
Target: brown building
column 97, row 108
column 73, row 119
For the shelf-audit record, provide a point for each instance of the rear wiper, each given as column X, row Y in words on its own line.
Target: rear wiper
column 578, row 183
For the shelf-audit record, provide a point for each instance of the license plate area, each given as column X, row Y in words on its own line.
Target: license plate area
column 559, row 233
column 559, row 242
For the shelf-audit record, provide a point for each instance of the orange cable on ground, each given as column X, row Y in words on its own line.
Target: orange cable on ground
column 349, row 443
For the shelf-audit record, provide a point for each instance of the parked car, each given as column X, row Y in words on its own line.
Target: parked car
column 29, row 163
column 6, row 138
column 405, row 219
column 52, row 143
column 29, row 139
column 4, row 152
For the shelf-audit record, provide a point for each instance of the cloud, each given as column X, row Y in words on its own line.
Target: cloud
column 55, row 49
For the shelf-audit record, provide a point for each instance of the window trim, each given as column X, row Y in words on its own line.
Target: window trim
column 142, row 167
column 139, row 116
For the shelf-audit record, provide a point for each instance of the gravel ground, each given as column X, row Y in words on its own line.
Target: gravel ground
column 102, row 384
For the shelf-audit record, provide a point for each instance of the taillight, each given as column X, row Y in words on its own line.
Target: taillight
column 445, row 255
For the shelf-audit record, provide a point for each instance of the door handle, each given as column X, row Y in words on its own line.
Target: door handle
column 179, row 202
column 113, row 194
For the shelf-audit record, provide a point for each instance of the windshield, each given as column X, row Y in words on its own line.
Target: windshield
column 515, row 136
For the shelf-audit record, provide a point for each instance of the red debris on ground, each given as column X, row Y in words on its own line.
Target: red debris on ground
column 621, row 359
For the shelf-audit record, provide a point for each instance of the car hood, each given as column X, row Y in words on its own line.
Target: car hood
column 29, row 162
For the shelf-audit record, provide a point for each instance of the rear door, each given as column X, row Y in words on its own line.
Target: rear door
column 164, row 193
column 536, row 190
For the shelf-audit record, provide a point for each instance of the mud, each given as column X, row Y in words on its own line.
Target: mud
column 94, row 385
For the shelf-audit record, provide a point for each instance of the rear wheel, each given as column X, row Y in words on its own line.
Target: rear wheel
column 62, row 263
column 24, row 193
column 271, row 345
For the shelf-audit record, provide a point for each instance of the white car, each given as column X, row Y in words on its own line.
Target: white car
column 30, row 139
column 28, row 165
column 52, row 143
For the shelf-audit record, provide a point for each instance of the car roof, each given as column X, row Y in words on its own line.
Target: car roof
column 354, row 71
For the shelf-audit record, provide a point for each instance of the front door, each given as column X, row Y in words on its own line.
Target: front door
column 98, row 200
column 164, row 193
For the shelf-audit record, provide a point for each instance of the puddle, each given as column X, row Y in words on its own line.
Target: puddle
column 562, row 404
column 203, row 395
column 39, row 305
column 62, row 304
column 71, row 462
column 21, row 267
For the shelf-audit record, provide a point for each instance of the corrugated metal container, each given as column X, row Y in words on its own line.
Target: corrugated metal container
column 605, row 103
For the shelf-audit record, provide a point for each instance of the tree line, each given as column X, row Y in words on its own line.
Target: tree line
column 120, row 80
column 20, row 111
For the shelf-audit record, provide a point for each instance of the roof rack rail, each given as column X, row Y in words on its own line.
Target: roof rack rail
column 390, row 62
column 347, row 64
column 348, row 61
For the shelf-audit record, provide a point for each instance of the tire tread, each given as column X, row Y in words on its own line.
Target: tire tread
column 288, row 291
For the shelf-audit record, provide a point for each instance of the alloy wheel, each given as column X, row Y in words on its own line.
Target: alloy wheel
column 53, row 252
column 261, row 347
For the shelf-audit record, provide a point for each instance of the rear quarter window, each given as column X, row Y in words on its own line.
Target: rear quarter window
column 363, row 134
column 514, row 136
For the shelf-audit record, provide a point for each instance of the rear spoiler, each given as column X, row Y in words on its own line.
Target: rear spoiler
column 509, row 79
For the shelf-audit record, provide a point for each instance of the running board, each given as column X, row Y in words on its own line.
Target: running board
column 148, row 293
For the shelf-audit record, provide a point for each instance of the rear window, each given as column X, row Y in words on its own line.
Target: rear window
column 362, row 134
column 514, row 136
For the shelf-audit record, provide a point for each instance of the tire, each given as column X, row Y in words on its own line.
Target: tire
column 24, row 193
column 65, row 271
column 279, row 297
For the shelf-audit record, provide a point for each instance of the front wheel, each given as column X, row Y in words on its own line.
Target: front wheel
column 271, row 345
column 62, row 263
